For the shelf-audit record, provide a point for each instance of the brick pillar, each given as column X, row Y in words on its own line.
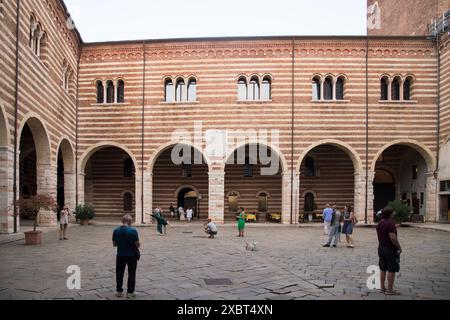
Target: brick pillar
column 148, row 196
column 81, row 186
column 360, row 196
column 286, row 199
column 431, row 198
column 46, row 184
column 69, row 192
column 216, row 196
column 138, row 197
column 296, row 198
column 6, row 190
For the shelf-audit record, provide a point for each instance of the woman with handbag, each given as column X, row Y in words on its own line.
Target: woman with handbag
column 349, row 222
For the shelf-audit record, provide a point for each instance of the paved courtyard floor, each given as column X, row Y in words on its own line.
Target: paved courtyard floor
column 290, row 264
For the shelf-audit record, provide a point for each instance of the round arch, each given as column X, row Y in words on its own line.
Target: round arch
column 169, row 145
column 186, row 186
column 40, row 137
column 423, row 150
column 4, row 131
column 284, row 163
column 68, row 154
column 349, row 150
column 102, row 145
column 309, row 191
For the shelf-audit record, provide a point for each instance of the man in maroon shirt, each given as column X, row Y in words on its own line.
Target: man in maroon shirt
column 388, row 250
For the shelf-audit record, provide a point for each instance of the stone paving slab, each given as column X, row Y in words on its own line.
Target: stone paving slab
column 290, row 264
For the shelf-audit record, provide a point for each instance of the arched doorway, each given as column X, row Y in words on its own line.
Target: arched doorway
column 409, row 164
column 247, row 172
column 65, row 180
column 110, row 179
column 180, row 178
column 327, row 176
column 383, row 189
column 187, row 199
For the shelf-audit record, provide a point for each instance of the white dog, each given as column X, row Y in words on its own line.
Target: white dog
column 251, row 246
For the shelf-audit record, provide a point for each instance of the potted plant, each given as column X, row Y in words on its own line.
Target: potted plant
column 31, row 207
column 402, row 212
column 84, row 213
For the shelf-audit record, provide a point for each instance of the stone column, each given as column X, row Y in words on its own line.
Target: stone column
column 138, row 197
column 431, row 198
column 296, row 198
column 360, row 197
column 6, row 190
column 69, row 192
column 148, row 196
column 216, row 196
column 286, row 199
column 46, row 184
column 39, row 36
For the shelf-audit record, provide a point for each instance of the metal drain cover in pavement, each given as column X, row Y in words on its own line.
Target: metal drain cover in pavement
column 218, row 282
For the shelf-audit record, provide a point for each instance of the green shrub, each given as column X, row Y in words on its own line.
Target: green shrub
column 84, row 211
column 402, row 212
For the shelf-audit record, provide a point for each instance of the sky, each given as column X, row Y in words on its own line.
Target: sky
column 114, row 20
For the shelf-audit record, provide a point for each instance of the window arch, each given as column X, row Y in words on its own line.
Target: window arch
column 242, row 89
column 120, row 91
column 309, row 202
column 127, row 202
column 316, row 88
column 340, row 88
column 128, row 168
column 192, row 90
column 168, row 90
column 407, row 84
column 254, row 89
column 180, row 90
column 100, row 91
column 328, row 89
column 384, row 88
column 109, row 92
column 266, row 89
column 395, row 89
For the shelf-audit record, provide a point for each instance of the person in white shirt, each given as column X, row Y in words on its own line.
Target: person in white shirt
column 189, row 214
column 211, row 229
column 181, row 213
column 63, row 223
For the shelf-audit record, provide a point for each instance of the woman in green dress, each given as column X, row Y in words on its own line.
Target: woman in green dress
column 241, row 223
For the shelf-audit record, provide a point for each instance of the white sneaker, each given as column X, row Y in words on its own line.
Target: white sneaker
column 131, row 295
column 119, row 294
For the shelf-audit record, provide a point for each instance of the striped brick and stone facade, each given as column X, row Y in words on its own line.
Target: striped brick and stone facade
column 116, row 145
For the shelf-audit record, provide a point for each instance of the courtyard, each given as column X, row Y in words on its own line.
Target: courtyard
column 289, row 263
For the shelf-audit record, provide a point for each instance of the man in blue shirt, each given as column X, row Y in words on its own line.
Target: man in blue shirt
column 126, row 239
column 327, row 215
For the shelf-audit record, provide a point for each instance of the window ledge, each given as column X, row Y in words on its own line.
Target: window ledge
column 179, row 102
column 254, row 101
column 330, row 101
column 397, row 101
column 110, row 104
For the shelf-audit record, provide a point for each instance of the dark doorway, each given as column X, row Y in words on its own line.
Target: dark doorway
column 383, row 189
column 445, row 208
column 187, row 198
column 27, row 166
column 60, row 184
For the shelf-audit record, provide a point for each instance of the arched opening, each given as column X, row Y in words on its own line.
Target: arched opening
column 266, row 89
column 180, row 90
column 327, row 175
column 316, row 88
column 384, row 88
column 65, row 180
column 109, row 92
column 340, row 88
column 105, row 181
column 168, row 91
column 192, row 90
column 180, row 177
column 407, row 88
column 409, row 168
column 248, row 171
column 328, row 89
column 383, row 189
column 120, row 91
column 253, row 93
column 242, row 89
column 100, row 92
column 34, row 165
column 395, row 89
column 127, row 202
